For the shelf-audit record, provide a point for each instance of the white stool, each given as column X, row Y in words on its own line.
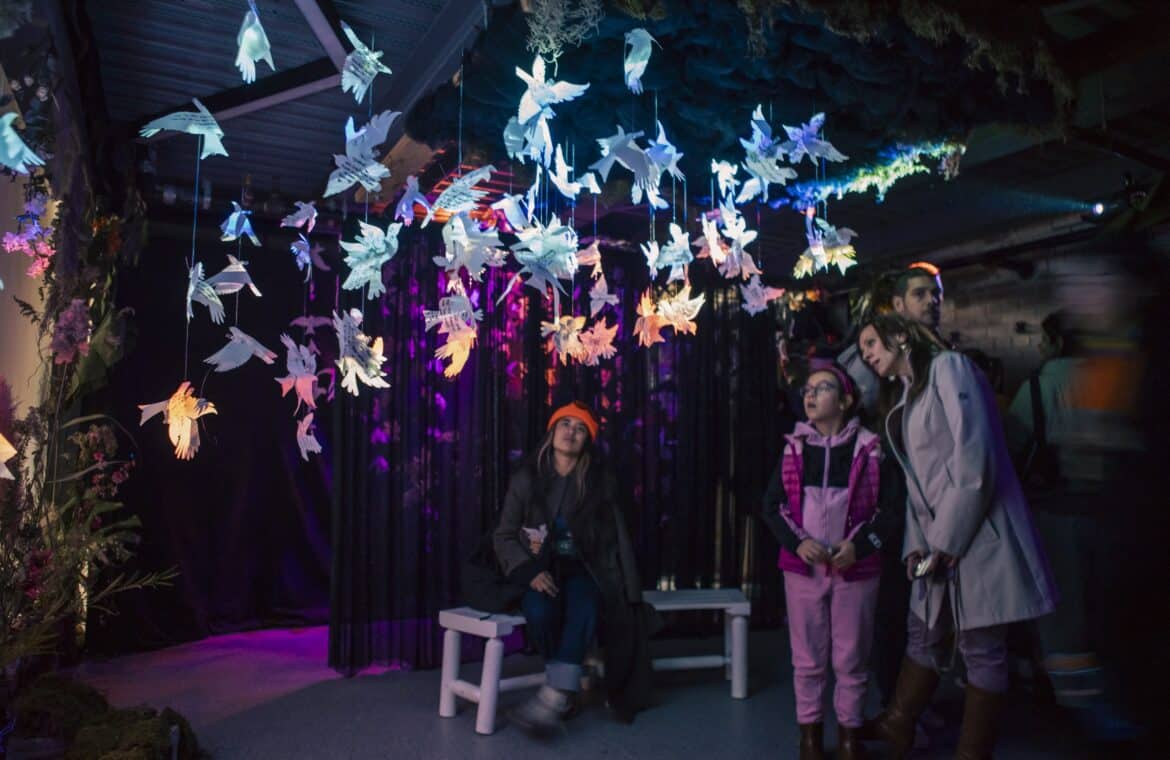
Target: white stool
column 736, row 611
column 493, row 628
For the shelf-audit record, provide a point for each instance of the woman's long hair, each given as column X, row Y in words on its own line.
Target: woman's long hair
column 591, row 523
column 896, row 334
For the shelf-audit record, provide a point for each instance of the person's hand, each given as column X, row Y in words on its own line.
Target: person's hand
column 544, row 584
column 844, row 555
column 949, row 559
column 911, row 561
column 812, row 552
column 534, row 544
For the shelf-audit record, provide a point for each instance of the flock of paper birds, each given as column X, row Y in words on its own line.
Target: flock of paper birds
column 546, row 249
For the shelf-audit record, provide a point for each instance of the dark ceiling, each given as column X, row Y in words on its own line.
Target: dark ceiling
column 284, row 129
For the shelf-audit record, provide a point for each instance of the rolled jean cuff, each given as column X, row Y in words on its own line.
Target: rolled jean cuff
column 565, row 676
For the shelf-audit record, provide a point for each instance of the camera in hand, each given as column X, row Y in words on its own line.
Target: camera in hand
column 926, row 566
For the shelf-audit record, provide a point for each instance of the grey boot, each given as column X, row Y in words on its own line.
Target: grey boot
column 543, row 711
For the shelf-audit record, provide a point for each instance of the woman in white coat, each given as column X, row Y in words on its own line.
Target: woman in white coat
column 970, row 544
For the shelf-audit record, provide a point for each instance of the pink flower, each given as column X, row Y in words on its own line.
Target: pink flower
column 38, row 267
column 71, row 334
column 14, row 242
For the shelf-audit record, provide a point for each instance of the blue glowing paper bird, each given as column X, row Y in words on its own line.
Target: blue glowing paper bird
column 253, row 43
column 411, row 196
column 637, row 55
column 199, row 122
column 305, row 216
column 238, row 225
column 361, row 66
column 805, row 141
column 14, row 153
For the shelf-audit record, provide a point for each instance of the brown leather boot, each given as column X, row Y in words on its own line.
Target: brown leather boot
column 981, row 711
column 849, row 746
column 812, row 741
column 895, row 726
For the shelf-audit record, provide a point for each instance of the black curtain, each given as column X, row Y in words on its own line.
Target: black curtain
column 691, row 425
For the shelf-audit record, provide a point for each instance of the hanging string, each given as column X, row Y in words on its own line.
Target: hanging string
column 191, row 262
column 239, row 257
column 459, row 168
column 369, row 118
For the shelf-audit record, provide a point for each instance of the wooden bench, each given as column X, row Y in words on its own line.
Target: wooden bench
column 493, row 627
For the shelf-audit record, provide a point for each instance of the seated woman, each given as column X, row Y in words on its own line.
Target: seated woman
column 561, row 533
column 970, row 544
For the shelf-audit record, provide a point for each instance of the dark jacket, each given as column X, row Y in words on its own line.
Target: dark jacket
column 599, row 526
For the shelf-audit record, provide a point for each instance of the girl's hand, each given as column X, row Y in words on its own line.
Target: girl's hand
column 812, row 552
column 911, row 561
column 544, row 584
column 844, row 555
column 534, row 545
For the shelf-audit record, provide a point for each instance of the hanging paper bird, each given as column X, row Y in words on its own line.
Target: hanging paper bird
column 310, row 323
column 305, row 216
column 240, row 348
column 301, row 253
column 565, row 336
column 253, row 43
column 648, row 327
column 711, row 243
column 764, row 172
column 238, row 225
column 457, row 349
column 467, row 247
column 233, row 278
column 461, row 195
column 827, row 246
column 540, row 93
column 756, row 296
column 302, row 372
column 724, row 178
column 637, row 55
column 306, row 441
column 358, row 164
column 547, row 255
column 367, row 254
column 359, row 358
column 180, row 413
column 805, row 141
column 532, row 140
column 676, row 254
column 14, row 153
column 600, row 297
column 199, row 290
column 679, row 311
column 411, row 196
column 560, row 177
column 761, row 143
column 597, row 343
column 361, row 66
column 738, row 236
column 518, row 209
column 805, row 266
column 623, row 148
column 199, row 122
column 590, row 256
column 453, row 308
column 7, row 451
column 664, row 155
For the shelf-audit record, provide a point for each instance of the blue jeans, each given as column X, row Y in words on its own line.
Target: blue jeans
column 562, row 627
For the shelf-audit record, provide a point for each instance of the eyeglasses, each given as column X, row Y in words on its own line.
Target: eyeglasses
column 817, row 389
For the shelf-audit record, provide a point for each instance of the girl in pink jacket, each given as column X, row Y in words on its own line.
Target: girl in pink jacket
column 822, row 506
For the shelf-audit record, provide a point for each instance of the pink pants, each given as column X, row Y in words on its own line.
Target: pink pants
column 825, row 610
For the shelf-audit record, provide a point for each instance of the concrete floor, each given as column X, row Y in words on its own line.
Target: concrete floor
column 267, row 694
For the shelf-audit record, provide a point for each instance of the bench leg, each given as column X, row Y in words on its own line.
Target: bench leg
column 489, row 687
column 727, row 646
column 450, row 673
column 739, row 646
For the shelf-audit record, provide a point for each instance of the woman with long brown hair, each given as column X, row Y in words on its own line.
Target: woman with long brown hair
column 970, row 544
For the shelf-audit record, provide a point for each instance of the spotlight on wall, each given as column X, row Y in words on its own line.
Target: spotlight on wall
column 1098, row 209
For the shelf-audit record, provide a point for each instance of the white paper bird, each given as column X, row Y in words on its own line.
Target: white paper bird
column 710, row 243
column 461, row 195
column 359, row 358
column 761, row 143
column 180, row 413
column 600, row 297
column 310, row 323
column 304, row 217
column 467, row 247
column 764, row 172
column 201, row 291
column 306, row 441
column 541, row 93
column 623, row 148
column 233, row 278
column 676, row 254
column 367, row 254
column 240, row 348
column 361, row 66
column 664, row 155
column 597, row 343
column 637, row 50
column 756, row 296
column 559, row 176
column 411, row 196
column 565, row 336
column 648, row 328
column 7, row 451
column 358, row 164
column 532, row 140
column 547, row 255
column 679, row 311
column 14, row 153
column 199, row 122
column 805, row 141
column 590, row 256
column 519, row 209
column 827, row 246
column 738, row 236
column 238, row 225
column 724, row 177
column 302, row 373
column 453, row 308
column 253, row 44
